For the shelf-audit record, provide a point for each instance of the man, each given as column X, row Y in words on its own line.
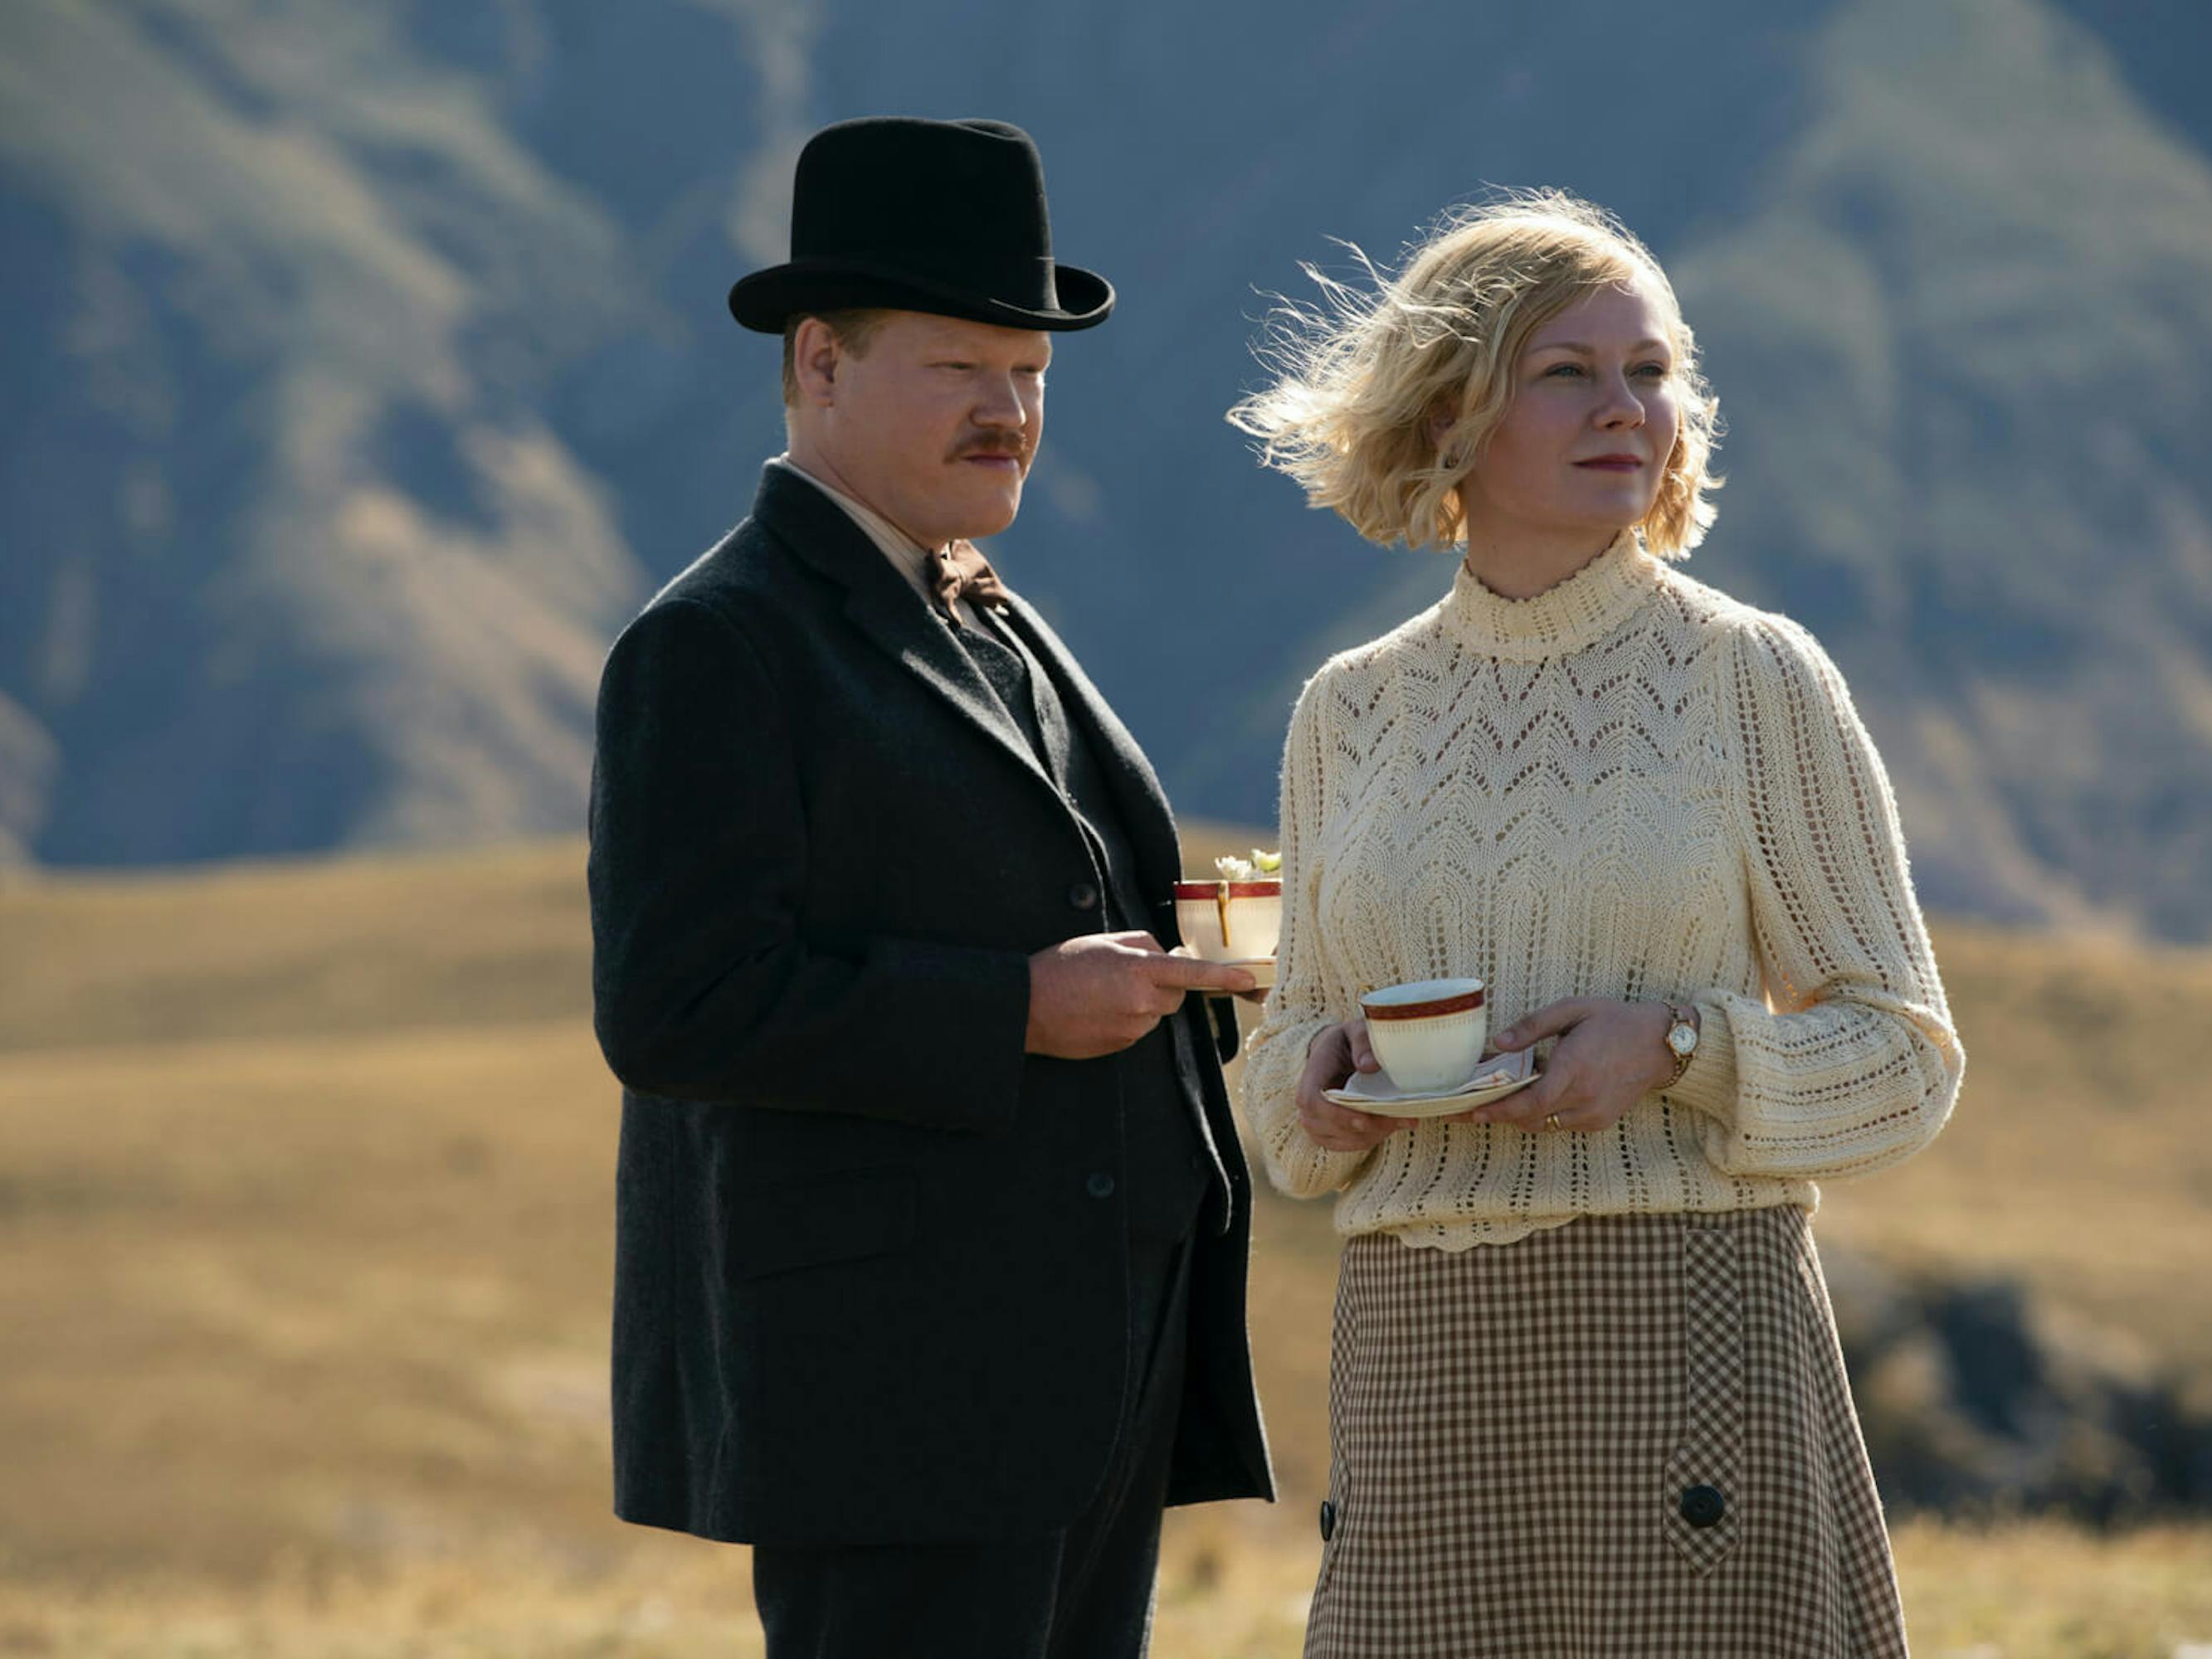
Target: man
column 932, row 1223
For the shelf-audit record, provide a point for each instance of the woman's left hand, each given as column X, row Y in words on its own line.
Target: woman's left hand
column 1609, row 1056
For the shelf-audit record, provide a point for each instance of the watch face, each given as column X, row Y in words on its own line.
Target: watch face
column 1682, row 1039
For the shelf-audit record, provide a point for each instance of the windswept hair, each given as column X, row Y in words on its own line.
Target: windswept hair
column 1360, row 378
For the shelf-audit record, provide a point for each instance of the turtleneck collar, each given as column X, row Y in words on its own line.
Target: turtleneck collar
column 1565, row 616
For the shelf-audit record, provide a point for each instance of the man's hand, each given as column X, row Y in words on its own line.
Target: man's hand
column 1100, row 993
column 1331, row 1059
column 1257, row 996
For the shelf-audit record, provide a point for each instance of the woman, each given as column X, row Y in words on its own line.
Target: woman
column 1586, row 1396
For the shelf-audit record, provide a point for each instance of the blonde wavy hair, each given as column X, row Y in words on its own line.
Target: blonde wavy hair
column 1361, row 379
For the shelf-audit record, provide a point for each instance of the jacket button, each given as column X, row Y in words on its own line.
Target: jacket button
column 1328, row 1520
column 1083, row 896
column 1702, row 1506
column 1100, row 1185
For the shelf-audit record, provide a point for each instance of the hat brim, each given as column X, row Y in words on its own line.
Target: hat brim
column 766, row 300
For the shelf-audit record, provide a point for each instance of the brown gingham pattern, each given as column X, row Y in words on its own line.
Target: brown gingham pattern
column 1512, row 1428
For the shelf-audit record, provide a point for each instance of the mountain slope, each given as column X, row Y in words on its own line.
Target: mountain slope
column 1969, row 320
column 306, row 566
column 373, row 367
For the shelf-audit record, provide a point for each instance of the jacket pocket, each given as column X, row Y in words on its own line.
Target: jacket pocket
column 846, row 1217
column 1704, row 1493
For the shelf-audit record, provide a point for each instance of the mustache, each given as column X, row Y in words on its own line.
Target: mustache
column 992, row 443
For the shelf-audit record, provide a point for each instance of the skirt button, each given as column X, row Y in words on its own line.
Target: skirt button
column 1702, row 1506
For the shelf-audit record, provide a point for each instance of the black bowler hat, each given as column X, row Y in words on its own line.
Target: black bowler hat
column 943, row 216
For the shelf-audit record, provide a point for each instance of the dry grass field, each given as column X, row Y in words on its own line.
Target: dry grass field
column 305, row 1175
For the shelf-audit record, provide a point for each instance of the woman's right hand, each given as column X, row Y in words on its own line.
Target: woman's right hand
column 1335, row 1053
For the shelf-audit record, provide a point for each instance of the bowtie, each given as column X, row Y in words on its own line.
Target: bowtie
column 958, row 569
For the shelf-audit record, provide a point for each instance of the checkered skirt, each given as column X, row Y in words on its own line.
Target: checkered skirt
column 1630, row 1436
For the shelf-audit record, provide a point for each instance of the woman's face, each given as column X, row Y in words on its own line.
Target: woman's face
column 1584, row 441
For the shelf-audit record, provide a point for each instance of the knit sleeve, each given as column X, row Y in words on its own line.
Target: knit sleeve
column 1850, row 1061
column 1308, row 989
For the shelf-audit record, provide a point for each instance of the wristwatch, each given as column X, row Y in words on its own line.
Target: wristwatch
column 1681, row 1039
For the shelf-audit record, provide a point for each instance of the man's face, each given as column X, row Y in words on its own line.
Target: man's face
column 934, row 425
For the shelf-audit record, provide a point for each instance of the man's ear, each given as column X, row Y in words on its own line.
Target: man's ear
column 816, row 359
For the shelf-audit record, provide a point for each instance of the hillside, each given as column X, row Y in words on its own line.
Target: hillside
column 370, row 368
column 304, row 1187
column 2073, row 1161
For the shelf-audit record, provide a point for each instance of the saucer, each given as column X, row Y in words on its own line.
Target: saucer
column 1499, row 1075
column 1262, row 969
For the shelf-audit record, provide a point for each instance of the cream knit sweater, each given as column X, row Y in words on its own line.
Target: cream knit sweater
column 1628, row 785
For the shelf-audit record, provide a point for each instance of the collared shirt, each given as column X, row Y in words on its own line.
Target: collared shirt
column 908, row 556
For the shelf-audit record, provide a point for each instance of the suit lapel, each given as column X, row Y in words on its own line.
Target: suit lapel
column 1146, row 817
column 893, row 618
column 885, row 609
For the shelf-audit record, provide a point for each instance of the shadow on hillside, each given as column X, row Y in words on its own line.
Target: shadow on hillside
column 1978, row 1396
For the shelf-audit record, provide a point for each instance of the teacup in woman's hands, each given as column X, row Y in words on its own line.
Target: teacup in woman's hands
column 1429, row 1034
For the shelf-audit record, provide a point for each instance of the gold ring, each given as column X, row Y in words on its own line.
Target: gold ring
column 1551, row 1120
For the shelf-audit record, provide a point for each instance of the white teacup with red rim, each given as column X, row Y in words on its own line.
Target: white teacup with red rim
column 1428, row 1033
column 1230, row 921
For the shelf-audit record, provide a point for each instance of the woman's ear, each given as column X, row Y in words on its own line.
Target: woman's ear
column 1441, row 421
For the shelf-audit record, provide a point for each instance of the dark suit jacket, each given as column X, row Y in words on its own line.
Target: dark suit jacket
column 866, row 1287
